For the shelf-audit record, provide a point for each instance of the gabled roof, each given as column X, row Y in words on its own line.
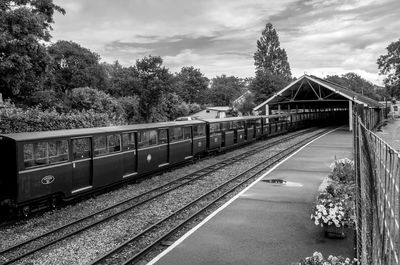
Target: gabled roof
column 314, row 89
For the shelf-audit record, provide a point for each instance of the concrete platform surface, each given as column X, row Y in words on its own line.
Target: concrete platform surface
column 270, row 223
column 391, row 133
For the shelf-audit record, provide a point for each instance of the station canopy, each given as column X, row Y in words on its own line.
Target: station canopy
column 312, row 92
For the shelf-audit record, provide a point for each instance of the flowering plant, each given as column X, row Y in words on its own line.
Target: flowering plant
column 333, row 210
column 342, row 170
column 318, row 259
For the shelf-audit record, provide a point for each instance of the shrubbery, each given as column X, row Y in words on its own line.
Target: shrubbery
column 85, row 98
column 13, row 120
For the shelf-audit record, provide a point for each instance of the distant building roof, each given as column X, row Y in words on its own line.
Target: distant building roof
column 221, row 108
column 242, row 97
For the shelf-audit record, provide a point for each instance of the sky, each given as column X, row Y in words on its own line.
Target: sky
column 321, row 37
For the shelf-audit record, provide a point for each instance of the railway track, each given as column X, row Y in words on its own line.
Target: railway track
column 17, row 252
column 134, row 249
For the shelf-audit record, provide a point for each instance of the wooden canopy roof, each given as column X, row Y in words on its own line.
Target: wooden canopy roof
column 315, row 91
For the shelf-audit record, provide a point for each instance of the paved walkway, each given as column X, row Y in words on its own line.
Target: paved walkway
column 269, row 223
column 391, row 133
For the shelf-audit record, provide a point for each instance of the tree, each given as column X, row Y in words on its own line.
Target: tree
column 191, row 85
column 265, row 84
column 85, row 98
column 24, row 27
column 389, row 64
column 246, row 105
column 123, row 81
column 356, row 83
column 75, row 66
column 272, row 66
column 269, row 56
column 153, row 80
column 224, row 89
column 130, row 105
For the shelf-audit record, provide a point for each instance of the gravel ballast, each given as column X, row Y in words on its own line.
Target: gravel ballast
column 86, row 246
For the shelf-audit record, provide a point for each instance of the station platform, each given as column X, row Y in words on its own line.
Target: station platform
column 269, row 223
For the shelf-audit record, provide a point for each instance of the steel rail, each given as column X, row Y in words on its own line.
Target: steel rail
column 105, row 258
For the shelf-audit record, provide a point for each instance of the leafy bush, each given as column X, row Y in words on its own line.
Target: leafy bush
column 49, row 99
column 335, row 205
column 318, row 259
column 343, row 170
column 333, row 210
column 194, row 107
column 85, row 98
column 131, row 108
column 13, row 120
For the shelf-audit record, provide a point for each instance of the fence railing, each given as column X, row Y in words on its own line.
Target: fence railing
column 377, row 198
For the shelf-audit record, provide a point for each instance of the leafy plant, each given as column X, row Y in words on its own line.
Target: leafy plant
column 343, row 170
column 333, row 210
column 335, row 205
column 318, row 259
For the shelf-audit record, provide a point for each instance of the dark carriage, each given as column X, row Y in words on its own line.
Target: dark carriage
column 43, row 166
column 230, row 132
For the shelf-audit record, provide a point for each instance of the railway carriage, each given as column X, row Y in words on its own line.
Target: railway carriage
column 49, row 165
column 230, row 132
column 42, row 167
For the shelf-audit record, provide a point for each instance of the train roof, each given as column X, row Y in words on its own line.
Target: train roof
column 241, row 118
column 26, row 136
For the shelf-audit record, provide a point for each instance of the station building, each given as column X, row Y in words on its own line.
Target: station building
column 310, row 93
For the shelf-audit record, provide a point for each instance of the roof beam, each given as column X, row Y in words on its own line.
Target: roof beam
column 313, row 89
column 302, row 81
column 310, row 101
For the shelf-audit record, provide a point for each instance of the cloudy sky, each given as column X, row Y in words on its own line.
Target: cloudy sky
column 321, row 37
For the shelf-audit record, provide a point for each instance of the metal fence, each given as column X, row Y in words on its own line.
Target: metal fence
column 377, row 198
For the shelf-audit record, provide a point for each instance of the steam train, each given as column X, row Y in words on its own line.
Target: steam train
column 40, row 168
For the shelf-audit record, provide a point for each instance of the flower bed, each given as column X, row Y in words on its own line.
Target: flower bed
column 335, row 205
column 318, row 259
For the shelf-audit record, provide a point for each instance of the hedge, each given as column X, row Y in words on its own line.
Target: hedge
column 13, row 120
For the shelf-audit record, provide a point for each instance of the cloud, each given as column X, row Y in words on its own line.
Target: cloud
column 220, row 36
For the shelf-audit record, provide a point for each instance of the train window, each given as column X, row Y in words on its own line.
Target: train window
column 143, row 139
column 128, row 141
column 215, row 127
column 58, row 151
column 176, row 134
column 81, row 148
column 187, row 133
column 163, row 136
column 41, row 153
column 100, row 145
column 199, row 130
column 226, row 125
column 114, row 143
column 202, row 130
column 258, row 123
column 153, row 137
column 28, row 155
column 147, row 138
column 195, row 131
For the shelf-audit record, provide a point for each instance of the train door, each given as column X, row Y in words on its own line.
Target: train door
column 235, row 132
column 163, row 147
column 187, row 135
column 245, row 130
column 129, row 154
column 82, row 164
